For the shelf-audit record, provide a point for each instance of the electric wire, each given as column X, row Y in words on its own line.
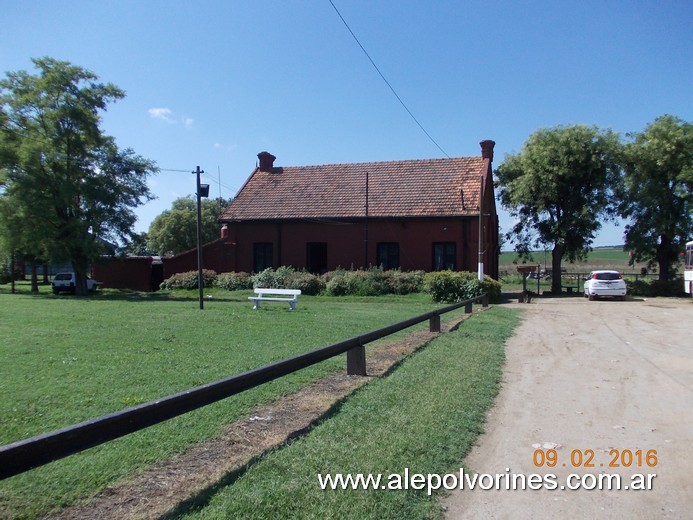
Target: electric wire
column 386, row 81
column 207, row 177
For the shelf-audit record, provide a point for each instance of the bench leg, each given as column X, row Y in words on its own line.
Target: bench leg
column 257, row 305
column 292, row 306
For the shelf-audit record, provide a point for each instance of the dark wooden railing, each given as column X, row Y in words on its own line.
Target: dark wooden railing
column 24, row 455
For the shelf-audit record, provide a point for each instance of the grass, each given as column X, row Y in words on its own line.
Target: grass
column 600, row 258
column 70, row 359
column 424, row 417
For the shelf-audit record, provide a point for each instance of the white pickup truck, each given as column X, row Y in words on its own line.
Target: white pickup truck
column 65, row 282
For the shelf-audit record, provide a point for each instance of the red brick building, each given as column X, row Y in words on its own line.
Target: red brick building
column 415, row 214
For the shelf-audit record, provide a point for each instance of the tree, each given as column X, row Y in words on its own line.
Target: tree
column 559, row 187
column 658, row 187
column 138, row 245
column 175, row 230
column 74, row 187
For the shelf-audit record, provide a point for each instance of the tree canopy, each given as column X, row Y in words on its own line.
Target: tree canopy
column 559, row 188
column 70, row 182
column 658, row 186
column 175, row 230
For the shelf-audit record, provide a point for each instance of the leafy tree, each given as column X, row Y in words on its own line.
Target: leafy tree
column 16, row 237
column 559, row 187
column 70, row 182
column 138, row 245
column 658, row 186
column 175, row 230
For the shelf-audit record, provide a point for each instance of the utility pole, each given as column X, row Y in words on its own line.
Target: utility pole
column 201, row 191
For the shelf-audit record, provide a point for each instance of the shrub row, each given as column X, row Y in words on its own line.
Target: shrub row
column 444, row 286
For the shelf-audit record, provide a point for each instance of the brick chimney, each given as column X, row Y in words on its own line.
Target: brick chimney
column 487, row 149
column 266, row 161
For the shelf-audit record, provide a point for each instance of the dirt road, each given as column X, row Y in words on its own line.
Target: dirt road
column 586, row 377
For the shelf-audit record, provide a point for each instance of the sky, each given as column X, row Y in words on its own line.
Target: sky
column 213, row 83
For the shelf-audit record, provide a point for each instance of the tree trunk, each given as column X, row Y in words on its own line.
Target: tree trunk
column 12, row 268
column 663, row 254
column 80, row 268
column 556, row 258
column 34, row 276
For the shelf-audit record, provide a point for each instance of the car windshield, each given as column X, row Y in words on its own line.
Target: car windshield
column 63, row 277
column 607, row 276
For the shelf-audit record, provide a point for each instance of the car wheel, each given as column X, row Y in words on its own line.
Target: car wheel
column 592, row 297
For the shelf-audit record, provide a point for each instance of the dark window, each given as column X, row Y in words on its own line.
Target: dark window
column 316, row 257
column 387, row 255
column 444, row 256
column 262, row 256
column 607, row 276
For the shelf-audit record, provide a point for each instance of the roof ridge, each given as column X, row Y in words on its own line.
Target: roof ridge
column 400, row 161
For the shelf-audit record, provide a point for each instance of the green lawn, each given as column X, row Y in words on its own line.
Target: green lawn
column 68, row 359
column 599, row 258
column 424, row 417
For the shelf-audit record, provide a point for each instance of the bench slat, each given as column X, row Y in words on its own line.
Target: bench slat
column 292, row 292
column 271, row 295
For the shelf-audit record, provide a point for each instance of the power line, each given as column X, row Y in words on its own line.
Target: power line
column 386, row 81
column 208, row 177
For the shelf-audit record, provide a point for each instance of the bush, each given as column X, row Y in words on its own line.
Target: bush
column 188, row 280
column 492, row 288
column 234, row 281
column 654, row 288
column 372, row 282
column 407, row 282
column 307, row 283
column 342, row 283
column 457, row 286
column 273, row 279
column 356, row 283
column 288, row 278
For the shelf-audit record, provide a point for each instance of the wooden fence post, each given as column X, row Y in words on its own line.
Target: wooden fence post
column 484, row 300
column 468, row 308
column 434, row 323
column 356, row 361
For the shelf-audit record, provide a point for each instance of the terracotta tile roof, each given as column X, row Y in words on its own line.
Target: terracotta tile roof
column 416, row 188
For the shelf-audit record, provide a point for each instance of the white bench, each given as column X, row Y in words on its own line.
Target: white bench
column 273, row 295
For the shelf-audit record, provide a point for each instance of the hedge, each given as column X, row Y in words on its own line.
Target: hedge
column 457, row 286
column 444, row 286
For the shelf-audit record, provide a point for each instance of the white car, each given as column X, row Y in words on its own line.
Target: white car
column 605, row 283
column 66, row 282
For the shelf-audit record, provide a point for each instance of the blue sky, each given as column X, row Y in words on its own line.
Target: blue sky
column 212, row 83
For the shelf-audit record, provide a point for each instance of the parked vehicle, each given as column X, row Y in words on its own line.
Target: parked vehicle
column 66, row 282
column 605, row 283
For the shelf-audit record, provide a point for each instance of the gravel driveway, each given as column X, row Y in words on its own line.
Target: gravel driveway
column 591, row 380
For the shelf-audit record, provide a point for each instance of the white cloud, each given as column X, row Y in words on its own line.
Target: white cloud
column 164, row 114
column 225, row 147
column 167, row 115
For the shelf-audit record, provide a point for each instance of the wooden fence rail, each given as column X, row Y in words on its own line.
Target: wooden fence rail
column 30, row 453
